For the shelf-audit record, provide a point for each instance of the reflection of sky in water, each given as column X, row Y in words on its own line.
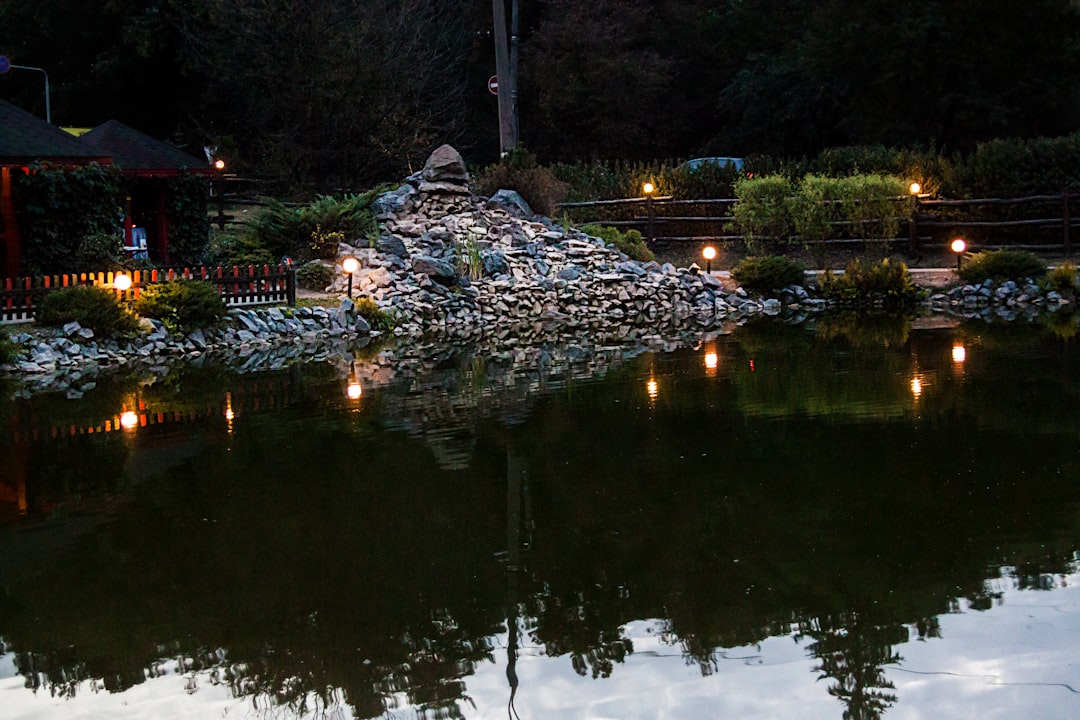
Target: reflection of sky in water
column 1018, row 659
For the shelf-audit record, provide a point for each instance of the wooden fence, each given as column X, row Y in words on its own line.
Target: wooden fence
column 993, row 223
column 239, row 287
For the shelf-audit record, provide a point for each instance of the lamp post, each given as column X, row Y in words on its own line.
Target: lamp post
column 958, row 246
column 913, row 231
column 350, row 265
column 709, row 253
column 648, row 188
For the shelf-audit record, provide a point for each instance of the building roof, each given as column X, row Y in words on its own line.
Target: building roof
column 135, row 152
column 24, row 138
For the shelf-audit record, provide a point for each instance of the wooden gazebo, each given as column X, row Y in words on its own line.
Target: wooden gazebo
column 25, row 139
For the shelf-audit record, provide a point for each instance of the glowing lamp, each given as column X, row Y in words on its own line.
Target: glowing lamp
column 648, row 188
column 958, row 246
column 219, row 164
column 129, row 420
column 914, row 188
column 350, row 265
column 354, row 391
column 709, row 253
column 959, row 354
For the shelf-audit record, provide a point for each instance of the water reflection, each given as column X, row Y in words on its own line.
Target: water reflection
column 259, row 535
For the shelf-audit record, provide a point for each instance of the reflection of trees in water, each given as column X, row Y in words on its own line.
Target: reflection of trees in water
column 852, row 654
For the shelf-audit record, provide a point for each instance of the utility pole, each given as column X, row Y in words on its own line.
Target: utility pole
column 506, row 72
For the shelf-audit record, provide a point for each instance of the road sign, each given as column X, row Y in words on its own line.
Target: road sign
column 493, row 84
column 5, row 64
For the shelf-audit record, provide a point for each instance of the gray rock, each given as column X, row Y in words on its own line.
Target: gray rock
column 494, row 262
column 513, row 203
column 570, row 272
column 439, row 270
column 391, row 245
column 444, row 165
column 393, row 201
column 85, row 333
column 71, row 328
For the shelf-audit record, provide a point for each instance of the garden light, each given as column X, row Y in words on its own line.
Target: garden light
column 709, row 253
column 219, row 164
column 648, row 188
column 129, row 420
column 350, row 265
column 958, row 246
column 914, row 188
column 122, row 282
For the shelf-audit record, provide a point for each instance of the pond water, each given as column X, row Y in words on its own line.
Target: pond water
column 818, row 522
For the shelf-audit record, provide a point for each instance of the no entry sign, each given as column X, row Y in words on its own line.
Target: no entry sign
column 493, row 84
column 5, row 64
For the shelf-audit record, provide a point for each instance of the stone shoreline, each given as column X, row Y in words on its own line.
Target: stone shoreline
column 456, row 267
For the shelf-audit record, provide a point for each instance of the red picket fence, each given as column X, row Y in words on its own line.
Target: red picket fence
column 239, row 287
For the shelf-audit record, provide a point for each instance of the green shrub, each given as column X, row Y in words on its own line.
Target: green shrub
column 630, row 243
column 378, row 318
column 182, row 305
column 519, row 171
column 97, row 308
column 314, row 275
column 1001, row 265
column 8, row 349
column 59, row 207
column 763, row 208
column 239, row 249
column 770, row 272
column 870, row 204
column 814, row 207
column 98, row 252
column 870, row 281
column 1063, row 277
column 283, row 229
column 324, row 245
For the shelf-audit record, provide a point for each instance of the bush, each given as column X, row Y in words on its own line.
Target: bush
column 1001, row 265
column 869, row 203
column 1063, row 277
column 869, row 281
column 629, row 243
column 763, row 208
column 770, row 272
column 189, row 224
column 314, row 275
column 98, row 252
column 182, row 305
column 518, row 170
column 96, row 308
column 8, row 349
column 814, row 208
column 281, row 229
column 378, row 318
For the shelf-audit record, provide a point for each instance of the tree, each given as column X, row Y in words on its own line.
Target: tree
column 328, row 92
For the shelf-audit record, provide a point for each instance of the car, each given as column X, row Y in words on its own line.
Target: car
column 701, row 162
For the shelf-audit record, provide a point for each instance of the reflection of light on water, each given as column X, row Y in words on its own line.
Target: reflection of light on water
column 129, row 420
column 959, row 354
column 711, row 361
column 229, row 414
column 354, row 391
column 916, row 386
column 652, row 388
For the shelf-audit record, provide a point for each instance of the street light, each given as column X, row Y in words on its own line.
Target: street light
column 709, row 253
column 958, row 246
column 350, row 265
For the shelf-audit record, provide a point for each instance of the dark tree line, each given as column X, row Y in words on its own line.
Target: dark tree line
column 335, row 92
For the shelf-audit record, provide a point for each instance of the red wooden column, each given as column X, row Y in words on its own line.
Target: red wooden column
column 12, row 241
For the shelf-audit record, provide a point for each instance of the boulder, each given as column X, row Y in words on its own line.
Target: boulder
column 512, row 203
column 444, row 172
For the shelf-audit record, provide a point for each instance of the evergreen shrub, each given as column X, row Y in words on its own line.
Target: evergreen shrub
column 763, row 210
column 630, row 243
column 1063, row 278
column 182, row 305
column 867, row 281
column 97, row 308
column 768, row 272
column 1001, row 265
column 314, row 275
column 378, row 318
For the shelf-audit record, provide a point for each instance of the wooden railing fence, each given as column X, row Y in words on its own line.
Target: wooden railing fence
column 239, row 287
column 926, row 223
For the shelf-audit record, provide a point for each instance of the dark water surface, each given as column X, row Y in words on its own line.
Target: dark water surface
column 777, row 523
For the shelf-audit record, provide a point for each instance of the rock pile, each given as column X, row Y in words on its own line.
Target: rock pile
column 1008, row 300
column 452, row 263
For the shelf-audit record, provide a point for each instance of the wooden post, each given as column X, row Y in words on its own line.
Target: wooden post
column 12, row 241
column 913, row 228
column 507, row 141
column 650, row 214
column 290, row 284
column 1066, row 222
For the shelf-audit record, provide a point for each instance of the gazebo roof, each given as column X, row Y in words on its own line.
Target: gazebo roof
column 137, row 153
column 24, row 138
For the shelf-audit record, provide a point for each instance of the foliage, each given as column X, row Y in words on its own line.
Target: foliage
column 182, row 305
column 314, row 275
column 8, row 349
column 231, row 248
column 865, row 331
column 815, row 206
column 97, row 308
column 630, row 243
column 98, row 252
column 763, row 208
column 378, row 318
column 869, row 203
column 769, row 272
column 1063, row 277
column 189, row 225
column 281, row 229
column 469, row 259
column 1001, row 265
column 325, row 244
column 59, row 207
column 519, row 171
column 866, row 281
